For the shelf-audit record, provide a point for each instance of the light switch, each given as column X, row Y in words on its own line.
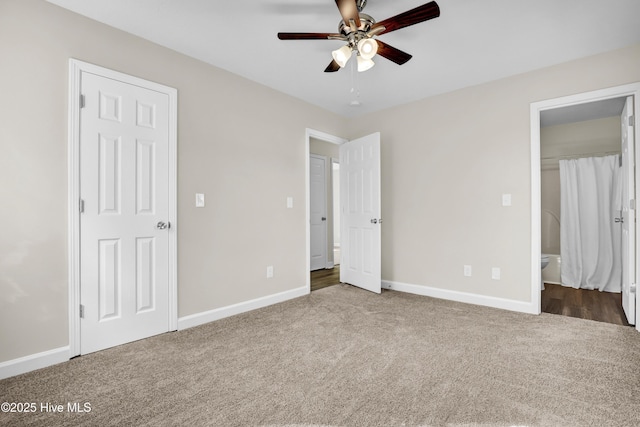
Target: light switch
column 199, row 200
column 289, row 202
column 506, row 200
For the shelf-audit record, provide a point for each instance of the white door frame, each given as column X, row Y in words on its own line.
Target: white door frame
column 312, row 133
column 632, row 89
column 76, row 68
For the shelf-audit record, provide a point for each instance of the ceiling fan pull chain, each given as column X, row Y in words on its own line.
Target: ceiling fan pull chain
column 355, row 90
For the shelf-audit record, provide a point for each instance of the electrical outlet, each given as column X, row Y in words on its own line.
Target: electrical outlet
column 495, row 273
column 467, row 271
column 269, row 271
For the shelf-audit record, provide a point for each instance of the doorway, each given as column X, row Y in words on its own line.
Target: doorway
column 324, row 211
column 576, row 143
column 360, row 222
column 560, row 107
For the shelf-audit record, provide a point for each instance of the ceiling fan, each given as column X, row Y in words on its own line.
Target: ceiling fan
column 358, row 30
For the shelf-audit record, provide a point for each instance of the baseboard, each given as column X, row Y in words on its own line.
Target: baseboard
column 231, row 310
column 32, row 362
column 495, row 302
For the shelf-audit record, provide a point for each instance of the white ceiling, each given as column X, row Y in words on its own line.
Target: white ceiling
column 470, row 43
column 578, row 113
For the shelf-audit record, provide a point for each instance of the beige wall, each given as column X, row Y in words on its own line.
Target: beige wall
column 580, row 139
column 330, row 151
column 446, row 161
column 234, row 145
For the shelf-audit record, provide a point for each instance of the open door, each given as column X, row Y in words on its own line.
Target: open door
column 628, row 214
column 360, row 204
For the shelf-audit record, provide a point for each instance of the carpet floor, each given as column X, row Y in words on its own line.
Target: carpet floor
column 342, row 356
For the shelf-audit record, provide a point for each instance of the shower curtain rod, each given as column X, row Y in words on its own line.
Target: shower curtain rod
column 580, row 156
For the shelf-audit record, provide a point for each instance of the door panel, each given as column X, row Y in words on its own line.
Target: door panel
column 109, row 274
column 145, row 277
column 124, row 183
column 145, row 194
column 318, row 211
column 628, row 214
column 360, row 198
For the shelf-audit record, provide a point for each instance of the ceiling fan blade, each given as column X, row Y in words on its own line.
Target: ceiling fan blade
column 392, row 54
column 349, row 11
column 332, row 68
column 310, row 36
column 410, row 17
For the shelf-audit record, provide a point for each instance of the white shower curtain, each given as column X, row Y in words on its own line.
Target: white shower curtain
column 590, row 239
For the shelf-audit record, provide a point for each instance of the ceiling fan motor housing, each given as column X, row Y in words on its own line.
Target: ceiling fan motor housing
column 359, row 33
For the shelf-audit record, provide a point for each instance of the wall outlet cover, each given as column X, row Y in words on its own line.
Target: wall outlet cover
column 467, row 270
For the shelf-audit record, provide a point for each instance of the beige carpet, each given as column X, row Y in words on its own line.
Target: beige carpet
column 346, row 357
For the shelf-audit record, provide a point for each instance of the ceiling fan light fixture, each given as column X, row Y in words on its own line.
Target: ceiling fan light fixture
column 342, row 55
column 364, row 64
column 368, row 48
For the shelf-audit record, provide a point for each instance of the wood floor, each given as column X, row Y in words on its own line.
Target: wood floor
column 324, row 278
column 583, row 304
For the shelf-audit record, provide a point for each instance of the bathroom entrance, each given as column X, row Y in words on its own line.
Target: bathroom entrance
column 586, row 150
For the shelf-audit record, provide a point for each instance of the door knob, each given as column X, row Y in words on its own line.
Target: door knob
column 374, row 221
column 324, row 218
column 163, row 225
column 619, row 220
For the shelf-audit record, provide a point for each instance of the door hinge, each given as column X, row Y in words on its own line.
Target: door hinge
column 81, row 101
column 631, row 120
column 81, row 206
column 81, row 311
column 632, row 288
column 632, row 204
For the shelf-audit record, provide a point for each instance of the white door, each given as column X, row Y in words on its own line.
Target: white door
column 360, row 204
column 124, row 186
column 628, row 214
column 318, row 208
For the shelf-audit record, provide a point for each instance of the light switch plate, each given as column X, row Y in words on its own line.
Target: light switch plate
column 495, row 273
column 506, row 200
column 289, row 202
column 199, row 200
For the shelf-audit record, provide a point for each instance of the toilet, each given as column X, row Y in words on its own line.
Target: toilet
column 544, row 261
